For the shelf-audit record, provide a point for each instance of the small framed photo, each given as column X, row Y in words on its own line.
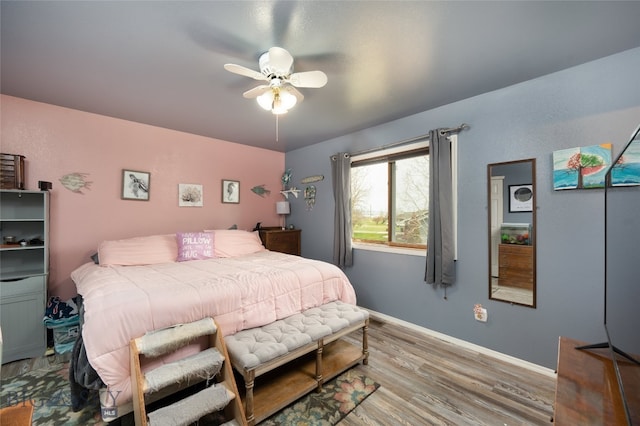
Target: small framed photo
column 190, row 195
column 520, row 198
column 230, row 191
column 135, row 185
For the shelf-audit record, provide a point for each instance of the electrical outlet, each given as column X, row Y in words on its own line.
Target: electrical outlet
column 481, row 315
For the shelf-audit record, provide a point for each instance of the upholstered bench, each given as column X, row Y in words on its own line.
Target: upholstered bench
column 256, row 351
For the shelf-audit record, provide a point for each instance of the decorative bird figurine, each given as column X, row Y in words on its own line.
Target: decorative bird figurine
column 293, row 191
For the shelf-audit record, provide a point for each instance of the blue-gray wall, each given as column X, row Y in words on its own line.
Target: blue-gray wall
column 586, row 105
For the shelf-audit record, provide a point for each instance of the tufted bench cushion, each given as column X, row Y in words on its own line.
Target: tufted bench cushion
column 256, row 346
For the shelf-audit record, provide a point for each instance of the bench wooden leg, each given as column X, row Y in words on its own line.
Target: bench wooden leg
column 365, row 343
column 319, row 378
column 249, row 381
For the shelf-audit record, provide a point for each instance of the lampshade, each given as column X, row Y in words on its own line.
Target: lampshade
column 282, row 207
column 277, row 101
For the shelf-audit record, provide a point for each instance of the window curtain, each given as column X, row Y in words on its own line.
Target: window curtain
column 341, row 174
column 440, row 268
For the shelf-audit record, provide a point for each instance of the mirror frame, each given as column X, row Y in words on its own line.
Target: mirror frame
column 534, row 228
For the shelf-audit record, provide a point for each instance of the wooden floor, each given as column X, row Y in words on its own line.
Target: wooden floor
column 427, row 381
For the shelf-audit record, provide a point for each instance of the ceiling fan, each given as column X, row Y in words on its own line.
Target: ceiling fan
column 276, row 68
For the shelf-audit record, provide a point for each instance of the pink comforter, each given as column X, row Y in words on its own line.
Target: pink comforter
column 125, row 302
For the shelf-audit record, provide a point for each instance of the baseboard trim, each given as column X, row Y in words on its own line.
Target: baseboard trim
column 463, row 343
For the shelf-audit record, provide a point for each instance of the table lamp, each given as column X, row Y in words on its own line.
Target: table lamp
column 283, row 208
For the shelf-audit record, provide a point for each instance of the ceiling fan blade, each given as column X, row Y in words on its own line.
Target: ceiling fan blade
column 314, row 79
column 239, row 69
column 256, row 91
column 280, row 59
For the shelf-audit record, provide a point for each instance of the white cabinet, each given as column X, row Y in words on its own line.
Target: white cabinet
column 23, row 272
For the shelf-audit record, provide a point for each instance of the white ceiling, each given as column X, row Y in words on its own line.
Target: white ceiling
column 161, row 62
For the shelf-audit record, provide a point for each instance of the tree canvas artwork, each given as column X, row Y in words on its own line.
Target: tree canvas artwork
column 626, row 171
column 582, row 167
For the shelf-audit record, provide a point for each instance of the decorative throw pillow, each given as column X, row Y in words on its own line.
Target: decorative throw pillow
column 195, row 245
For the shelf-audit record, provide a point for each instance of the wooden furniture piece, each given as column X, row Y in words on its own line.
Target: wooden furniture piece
column 23, row 276
column 210, row 364
column 282, row 240
column 284, row 360
column 515, row 266
column 587, row 390
column 18, row 415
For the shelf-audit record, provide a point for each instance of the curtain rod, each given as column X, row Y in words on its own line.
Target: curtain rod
column 458, row 129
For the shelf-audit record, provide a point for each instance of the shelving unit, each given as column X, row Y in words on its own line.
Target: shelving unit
column 23, row 273
column 282, row 386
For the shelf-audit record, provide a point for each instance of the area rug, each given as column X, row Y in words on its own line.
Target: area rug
column 337, row 399
column 47, row 389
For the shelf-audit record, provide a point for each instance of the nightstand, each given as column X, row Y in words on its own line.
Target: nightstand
column 282, row 240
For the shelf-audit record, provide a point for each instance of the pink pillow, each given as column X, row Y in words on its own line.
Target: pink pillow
column 195, row 245
column 234, row 242
column 139, row 251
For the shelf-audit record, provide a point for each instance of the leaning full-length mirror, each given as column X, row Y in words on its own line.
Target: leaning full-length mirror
column 512, row 230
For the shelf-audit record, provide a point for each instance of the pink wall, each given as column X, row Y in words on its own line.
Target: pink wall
column 57, row 141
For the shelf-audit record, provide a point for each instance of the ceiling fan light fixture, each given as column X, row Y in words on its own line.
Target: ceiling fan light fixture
column 277, row 101
column 281, row 93
column 287, row 100
column 266, row 100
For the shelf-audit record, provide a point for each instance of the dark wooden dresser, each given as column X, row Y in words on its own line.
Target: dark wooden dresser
column 515, row 266
column 282, row 240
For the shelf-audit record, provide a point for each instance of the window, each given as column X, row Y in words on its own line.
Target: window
column 390, row 197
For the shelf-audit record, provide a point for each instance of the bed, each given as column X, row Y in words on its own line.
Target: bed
column 150, row 283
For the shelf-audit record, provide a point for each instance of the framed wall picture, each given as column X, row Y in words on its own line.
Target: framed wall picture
column 520, row 198
column 230, row 191
column 190, row 195
column 135, row 185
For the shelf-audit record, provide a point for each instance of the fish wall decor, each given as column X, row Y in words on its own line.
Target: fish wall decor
column 76, row 182
column 260, row 190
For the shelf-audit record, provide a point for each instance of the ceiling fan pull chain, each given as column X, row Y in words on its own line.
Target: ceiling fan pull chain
column 277, row 129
